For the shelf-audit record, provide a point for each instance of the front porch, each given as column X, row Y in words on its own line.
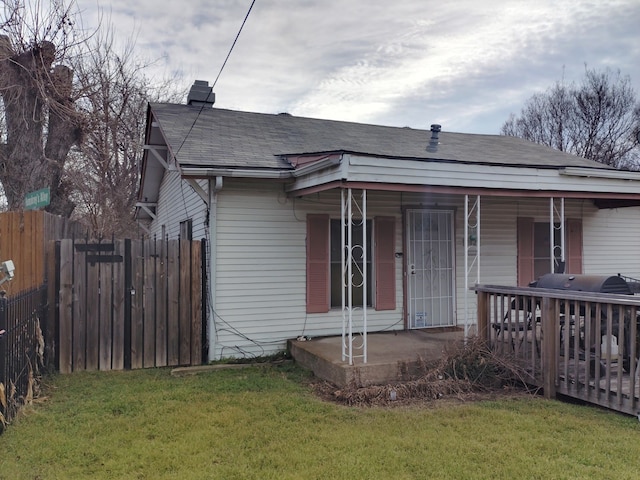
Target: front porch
column 391, row 356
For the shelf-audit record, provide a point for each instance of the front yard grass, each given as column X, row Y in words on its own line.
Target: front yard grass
column 265, row 423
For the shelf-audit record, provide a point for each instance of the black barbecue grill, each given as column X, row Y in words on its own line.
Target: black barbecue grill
column 584, row 283
column 614, row 284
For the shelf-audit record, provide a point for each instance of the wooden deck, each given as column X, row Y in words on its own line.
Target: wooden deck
column 614, row 388
column 592, row 351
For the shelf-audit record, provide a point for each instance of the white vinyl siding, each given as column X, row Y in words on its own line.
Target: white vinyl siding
column 177, row 203
column 260, row 282
column 611, row 241
column 261, row 271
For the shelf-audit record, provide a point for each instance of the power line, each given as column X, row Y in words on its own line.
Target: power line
column 217, row 77
column 234, row 44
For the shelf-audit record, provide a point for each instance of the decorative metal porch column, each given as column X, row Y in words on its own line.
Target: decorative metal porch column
column 353, row 205
column 471, row 256
column 556, row 215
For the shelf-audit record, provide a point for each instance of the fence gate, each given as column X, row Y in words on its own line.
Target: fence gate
column 130, row 304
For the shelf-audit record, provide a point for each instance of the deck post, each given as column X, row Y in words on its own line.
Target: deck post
column 549, row 353
column 483, row 315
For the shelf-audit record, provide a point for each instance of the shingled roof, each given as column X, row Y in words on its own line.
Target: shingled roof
column 231, row 139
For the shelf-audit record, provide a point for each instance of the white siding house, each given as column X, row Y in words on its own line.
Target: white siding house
column 267, row 192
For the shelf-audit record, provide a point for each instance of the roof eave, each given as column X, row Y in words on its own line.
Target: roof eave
column 600, row 173
column 208, row 172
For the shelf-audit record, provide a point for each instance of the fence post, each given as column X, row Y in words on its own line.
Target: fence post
column 128, row 291
column 549, row 352
column 205, row 297
column 3, row 348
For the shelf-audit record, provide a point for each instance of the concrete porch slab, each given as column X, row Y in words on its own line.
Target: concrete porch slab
column 392, row 356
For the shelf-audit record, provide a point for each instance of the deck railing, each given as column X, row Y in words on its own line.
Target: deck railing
column 583, row 345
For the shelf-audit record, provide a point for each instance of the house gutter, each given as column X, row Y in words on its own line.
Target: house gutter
column 275, row 174
column 600, row 173
column 215, row 185
column 194, row 172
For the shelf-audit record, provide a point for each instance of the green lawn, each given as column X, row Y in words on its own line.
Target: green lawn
column 264, row 423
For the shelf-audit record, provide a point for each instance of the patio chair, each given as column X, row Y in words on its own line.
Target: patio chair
column 525, row 321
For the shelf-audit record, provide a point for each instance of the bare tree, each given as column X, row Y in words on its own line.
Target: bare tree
column 73, row 113
column 40, row 121
column 105, row 170
column 598, row 119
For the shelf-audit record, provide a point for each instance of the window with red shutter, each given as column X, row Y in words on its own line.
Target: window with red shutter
column 317, row 263
column 534, row 248
column 525, row 251
column 324, row 274
column 385, row 262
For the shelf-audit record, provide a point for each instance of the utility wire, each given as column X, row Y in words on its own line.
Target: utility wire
column 216, row 80
column 234, row 44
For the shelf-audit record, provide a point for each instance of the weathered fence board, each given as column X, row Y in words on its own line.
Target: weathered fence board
column 173, row 302
column 185, row 307
column 130, row 304
column 24, row 239
column 137, row 304
column 148, row 319
column 66, row 337
column 92, row 320
column 196, row 307
column 161, row 307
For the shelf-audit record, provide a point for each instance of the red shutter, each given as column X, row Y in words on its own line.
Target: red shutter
column 317, row 263
column 385, row 262
column 574, row 246
column 525, row 251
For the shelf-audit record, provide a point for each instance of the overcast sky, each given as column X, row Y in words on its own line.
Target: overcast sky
column 466, row 64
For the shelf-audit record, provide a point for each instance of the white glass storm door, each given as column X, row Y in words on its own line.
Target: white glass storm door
column 430, row 268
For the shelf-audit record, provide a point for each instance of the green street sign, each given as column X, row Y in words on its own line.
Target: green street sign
column 38, row 199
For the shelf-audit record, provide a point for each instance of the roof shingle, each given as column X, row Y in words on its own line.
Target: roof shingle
column 233, row 139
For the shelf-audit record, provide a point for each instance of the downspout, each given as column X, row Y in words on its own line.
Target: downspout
column 215, row 185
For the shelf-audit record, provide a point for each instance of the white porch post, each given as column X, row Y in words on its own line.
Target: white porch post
column 348, row 203
column 556, row 215
column 471, row 255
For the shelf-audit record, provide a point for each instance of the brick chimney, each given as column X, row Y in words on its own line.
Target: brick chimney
column 201, row 94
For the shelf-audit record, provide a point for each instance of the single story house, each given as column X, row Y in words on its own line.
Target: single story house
column 319, row 227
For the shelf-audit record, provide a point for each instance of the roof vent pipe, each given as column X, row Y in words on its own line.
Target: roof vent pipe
column 433, row 141
column 201, row 94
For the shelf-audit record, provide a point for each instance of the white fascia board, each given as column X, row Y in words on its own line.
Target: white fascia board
column 309, row 169
column 196, row 172
column 330, row 171
column 600, row 173
column 317, row 166
column 450, row 174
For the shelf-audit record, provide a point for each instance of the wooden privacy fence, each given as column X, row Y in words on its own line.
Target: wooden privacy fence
column 579, row 344
column 24, row 236
column 130, row 304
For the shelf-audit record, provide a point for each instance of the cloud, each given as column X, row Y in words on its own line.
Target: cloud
column 394, row 63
